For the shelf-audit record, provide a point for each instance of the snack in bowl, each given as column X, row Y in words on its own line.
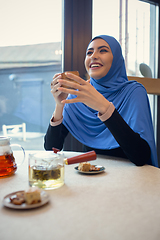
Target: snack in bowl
column 68, row 79
column 87, row 167
column 30, row 196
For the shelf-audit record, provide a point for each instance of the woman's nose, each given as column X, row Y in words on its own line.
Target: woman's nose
column 94, row 55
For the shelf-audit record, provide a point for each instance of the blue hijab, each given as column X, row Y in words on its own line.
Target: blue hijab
column 129, row 98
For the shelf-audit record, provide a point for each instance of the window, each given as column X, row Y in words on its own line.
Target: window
column 30, row 54
column 135, row 25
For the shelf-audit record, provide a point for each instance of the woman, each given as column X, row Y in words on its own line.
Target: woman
column 107, row 113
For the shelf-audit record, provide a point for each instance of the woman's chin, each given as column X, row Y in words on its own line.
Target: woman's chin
column 95, row 76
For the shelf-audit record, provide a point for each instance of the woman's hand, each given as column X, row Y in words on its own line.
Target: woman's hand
column 57, row 94
column 85, row 93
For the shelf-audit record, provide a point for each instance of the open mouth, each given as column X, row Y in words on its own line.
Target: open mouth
column 95, row 65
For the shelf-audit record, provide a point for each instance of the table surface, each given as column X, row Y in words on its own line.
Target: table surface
column 122, row 203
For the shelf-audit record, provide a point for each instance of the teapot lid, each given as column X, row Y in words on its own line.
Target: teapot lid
column 45, row 155
column 4, row 141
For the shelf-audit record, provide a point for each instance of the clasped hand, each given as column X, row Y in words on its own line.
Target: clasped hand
column 83, row 90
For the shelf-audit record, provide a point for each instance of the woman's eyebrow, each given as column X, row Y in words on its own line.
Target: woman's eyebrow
column 103, row 47
column 99, row 48
column 90, row 49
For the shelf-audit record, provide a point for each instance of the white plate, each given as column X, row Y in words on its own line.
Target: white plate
column 92, row 172
column 7, row 202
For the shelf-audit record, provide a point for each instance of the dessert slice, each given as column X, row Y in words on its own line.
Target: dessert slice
column 84, row 166
column 32, row 195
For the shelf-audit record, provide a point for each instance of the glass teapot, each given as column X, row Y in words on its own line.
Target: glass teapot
column 8, row 165
column 46, row 168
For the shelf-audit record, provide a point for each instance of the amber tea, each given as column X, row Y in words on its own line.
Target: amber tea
column 8, row 165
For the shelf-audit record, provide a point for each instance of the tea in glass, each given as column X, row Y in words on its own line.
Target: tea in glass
column 46, row 170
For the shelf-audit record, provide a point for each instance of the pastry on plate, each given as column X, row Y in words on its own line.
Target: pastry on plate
column 87, row 167
column 84, row 166
column 32, row 195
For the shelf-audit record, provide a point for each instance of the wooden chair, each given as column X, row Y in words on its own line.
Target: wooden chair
column 152, row 85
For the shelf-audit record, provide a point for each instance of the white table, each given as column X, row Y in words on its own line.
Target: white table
column 123, row 203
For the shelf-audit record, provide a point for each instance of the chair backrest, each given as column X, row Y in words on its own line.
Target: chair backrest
column 152, row 85
column 16, row 128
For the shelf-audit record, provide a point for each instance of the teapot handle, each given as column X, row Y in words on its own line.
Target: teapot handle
column 17, row 145
column 85, row 157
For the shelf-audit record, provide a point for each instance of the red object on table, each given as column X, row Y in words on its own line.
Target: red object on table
column 55, row 150
column 85, row 157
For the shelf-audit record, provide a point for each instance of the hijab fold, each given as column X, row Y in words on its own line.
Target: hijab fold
column 129, row 98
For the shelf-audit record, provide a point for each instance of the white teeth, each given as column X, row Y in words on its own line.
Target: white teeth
column 95, row 65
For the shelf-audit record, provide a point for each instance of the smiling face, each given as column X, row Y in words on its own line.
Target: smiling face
column 98, row 59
